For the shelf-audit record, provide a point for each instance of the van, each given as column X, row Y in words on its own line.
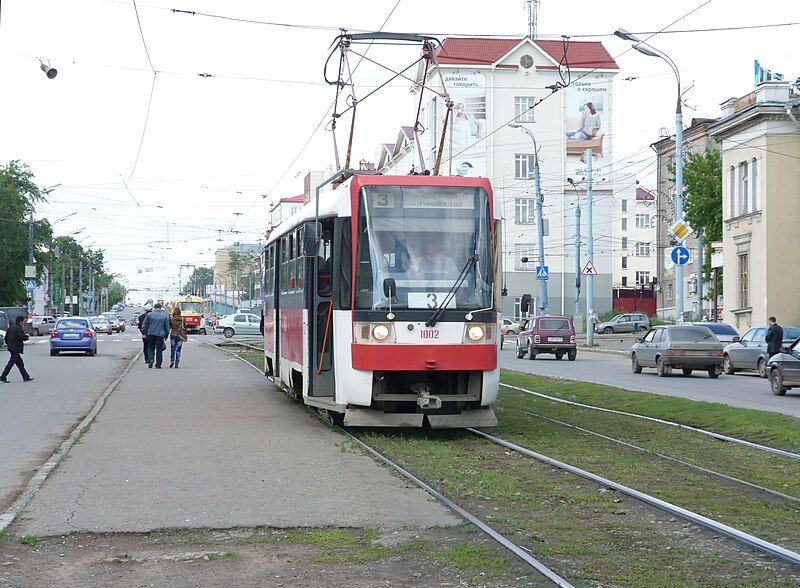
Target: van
column 548, row 334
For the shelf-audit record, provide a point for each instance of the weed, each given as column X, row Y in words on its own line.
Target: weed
column 82, row 432
column 29, row 540
column 5, row 536
column 232, row 555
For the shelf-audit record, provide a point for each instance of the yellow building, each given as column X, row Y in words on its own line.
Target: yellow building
column 760, row 145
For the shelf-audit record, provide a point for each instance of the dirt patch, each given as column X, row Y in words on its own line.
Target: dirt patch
column 265, row 557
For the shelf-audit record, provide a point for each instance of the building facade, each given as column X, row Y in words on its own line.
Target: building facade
column 634, row 263
column 696, row 139
column 760, row 144
column 494, row 82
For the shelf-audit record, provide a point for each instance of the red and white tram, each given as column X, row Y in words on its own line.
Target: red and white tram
column 381, row 302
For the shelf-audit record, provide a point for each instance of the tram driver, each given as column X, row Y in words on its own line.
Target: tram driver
column 432, row 264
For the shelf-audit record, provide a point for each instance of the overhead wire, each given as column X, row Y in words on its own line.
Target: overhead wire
column 152, row 90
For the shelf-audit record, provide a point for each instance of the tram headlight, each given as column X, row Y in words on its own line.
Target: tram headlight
column 380, row 332
column 475, row 333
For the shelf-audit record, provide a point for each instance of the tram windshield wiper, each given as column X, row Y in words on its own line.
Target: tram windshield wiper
column 446, row 300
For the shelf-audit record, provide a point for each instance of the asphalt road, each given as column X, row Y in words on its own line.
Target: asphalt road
column 36, row 416
column 742, row 390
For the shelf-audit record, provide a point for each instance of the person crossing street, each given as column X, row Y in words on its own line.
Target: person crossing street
column 15, row 339
column 155, row 328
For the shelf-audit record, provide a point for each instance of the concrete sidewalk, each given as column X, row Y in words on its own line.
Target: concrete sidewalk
column 213, row 445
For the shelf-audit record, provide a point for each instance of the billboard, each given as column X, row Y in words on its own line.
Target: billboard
column 464, row 149
column 587, row 117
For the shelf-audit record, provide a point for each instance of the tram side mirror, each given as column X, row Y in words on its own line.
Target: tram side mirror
column 311, row 238
column 389, row 288
column 525, row 303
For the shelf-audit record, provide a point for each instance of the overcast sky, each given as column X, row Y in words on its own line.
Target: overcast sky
column 214, row 147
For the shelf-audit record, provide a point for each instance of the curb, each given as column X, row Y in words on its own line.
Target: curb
column 12, row 512
column 606, row 351
column 232, row 354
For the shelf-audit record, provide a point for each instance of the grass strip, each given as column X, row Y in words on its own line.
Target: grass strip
column 767, row 428
column 588, row 533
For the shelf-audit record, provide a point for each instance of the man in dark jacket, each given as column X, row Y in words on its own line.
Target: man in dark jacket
column 15, row 339
column 156, row 327
column 147, row 310
column 774, row 337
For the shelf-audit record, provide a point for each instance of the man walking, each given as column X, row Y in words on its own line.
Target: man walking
column 156, row 328
column 147, row 310
column 774, row 337
column 15, row 339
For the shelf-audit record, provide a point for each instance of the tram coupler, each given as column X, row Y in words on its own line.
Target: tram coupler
column 425, row 401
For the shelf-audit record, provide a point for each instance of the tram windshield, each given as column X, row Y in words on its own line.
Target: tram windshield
column 191, row 307
column 424, row 237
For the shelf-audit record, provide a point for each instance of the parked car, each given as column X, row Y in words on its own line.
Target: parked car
column 101, row 325
column 784, row 368
column 685, row 347
column 625, row 323
column 511, row 327
column 2, row 339
column 750, row 352
column 11, row 313
column 42, row 324
column 239, row 324
column 135, row 320
column 117, row 322
column 548, row 334
column 724, row 332
column 73, row 334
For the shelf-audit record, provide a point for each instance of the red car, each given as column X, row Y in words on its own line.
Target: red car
column 548, row 334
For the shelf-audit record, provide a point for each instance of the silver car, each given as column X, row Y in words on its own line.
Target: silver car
column 686, row 347
column 630, row 322
column 750, row 352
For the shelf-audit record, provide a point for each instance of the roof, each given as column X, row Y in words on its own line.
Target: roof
column 643, row 194
column 482, row 51
column 298, row 198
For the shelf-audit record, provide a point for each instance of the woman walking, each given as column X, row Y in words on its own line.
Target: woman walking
column 177, row 335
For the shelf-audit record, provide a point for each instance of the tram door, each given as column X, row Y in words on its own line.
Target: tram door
column 321, row 342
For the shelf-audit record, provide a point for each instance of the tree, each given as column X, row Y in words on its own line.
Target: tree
column 116, row 293
column 18, row 198
column 200, row 278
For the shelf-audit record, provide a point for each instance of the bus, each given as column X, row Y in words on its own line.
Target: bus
column 382, row 303
column 193, row 308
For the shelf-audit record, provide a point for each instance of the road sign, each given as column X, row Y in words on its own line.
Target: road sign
column 680, row 230
column 589, row 269
column 542, row 272
column 30, row 284
column 680, row 255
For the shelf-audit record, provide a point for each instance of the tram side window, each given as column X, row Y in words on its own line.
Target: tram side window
column 285, row 266
column 300, row 261
column 269, row 269
column 345, row 265
column 325, row 262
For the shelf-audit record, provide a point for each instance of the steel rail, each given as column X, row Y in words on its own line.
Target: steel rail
column 668, row 457
column 497, row 536
column 717, row 527
column 719, row 436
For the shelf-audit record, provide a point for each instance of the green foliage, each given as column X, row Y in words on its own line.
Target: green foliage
column 29, row 540
column 116, row 293
column 18, row 197
column 200, row 278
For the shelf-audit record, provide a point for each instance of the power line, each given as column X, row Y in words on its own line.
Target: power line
column 152, row 89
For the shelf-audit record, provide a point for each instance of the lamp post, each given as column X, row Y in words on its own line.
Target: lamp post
column 543, row 302
column 645, row 49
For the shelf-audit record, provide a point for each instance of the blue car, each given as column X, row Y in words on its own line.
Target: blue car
column 73, row 334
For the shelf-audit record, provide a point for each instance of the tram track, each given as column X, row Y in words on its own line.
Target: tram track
column 721, row 528
column 715, row 435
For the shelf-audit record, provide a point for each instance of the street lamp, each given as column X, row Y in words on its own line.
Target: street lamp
column 543, row 302
column 645, row 49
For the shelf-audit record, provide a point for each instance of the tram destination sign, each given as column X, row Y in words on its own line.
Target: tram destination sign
column 456, row 200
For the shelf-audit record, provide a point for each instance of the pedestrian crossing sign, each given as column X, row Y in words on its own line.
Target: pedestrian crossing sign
column 542, row 272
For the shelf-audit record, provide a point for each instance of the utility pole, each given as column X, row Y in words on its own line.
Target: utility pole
column 577, row 310
column 30, row 257
column 589, row 252
column 71, row 287
column 699, row 276
column 80, row 287
column 543, row 301
column 63, row 304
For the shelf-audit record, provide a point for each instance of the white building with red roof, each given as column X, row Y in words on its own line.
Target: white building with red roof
column 553, row 89
column 284, row 208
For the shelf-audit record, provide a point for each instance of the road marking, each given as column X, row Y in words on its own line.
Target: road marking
column 115, row 340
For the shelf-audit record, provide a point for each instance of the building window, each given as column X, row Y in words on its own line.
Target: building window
column 523, row 108
column 744, row 189
column 642, row 249
column 755, row 189
column 624, row 281
column 669, row 292
column 523, row 208
column 731, row 192
column 523, row 166
column 642, row 278
column 624, row 224
column 624, row 263
column 518, row 314
column 744, row 271
column 527, row 251
column 624, row 205
column 624, row 243
column 642, row 221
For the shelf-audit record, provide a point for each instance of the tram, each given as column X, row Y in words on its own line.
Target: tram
column 192, row 310
column 381, row 303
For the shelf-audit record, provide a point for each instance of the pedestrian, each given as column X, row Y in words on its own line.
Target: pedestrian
column 774, row 337
column 15, row 339
column 147, row 309
column 156, row 328
column 177, row 335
